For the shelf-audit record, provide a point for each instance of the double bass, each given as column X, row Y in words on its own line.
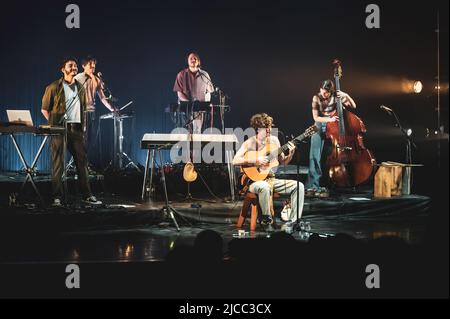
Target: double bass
column 350, row 163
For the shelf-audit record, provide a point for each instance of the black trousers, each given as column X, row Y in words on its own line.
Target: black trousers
column 90, row 135
column 76, row 146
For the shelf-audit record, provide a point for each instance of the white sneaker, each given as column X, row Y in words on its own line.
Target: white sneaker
column 286, row 212
column 92, row 200
column 288, row 227
column 57, row 202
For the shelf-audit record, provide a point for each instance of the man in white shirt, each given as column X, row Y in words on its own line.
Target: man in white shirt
column 64, row 100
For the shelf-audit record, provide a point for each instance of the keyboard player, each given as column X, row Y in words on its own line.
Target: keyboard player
column 194, row 84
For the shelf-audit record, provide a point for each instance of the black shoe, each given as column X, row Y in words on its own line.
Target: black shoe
column 310, row 192
column 269, row 228
column 322, row 192
column 266, row 220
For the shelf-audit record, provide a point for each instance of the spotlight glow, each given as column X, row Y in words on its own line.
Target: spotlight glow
column 418, row 86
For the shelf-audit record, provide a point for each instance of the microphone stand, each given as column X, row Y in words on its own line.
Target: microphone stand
column 409, row 145
column 105, row 87
column 222, row 98
column 203, row 76
column 168, row 208
column 191, row 120
column 296, row 226
column 409, row 142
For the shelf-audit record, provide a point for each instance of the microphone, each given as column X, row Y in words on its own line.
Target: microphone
column 386, row 109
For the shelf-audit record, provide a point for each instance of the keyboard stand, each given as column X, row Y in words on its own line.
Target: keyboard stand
column 29, row 170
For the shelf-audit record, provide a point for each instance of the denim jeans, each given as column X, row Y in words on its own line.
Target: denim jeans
column 315, row 155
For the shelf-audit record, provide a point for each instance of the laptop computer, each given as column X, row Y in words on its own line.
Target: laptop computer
column 22, row 117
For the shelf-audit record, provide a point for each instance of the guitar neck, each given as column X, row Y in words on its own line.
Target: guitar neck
column 285, row 147
column 339, row 107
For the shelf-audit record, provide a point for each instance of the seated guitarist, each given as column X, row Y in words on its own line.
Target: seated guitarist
column 262, row 124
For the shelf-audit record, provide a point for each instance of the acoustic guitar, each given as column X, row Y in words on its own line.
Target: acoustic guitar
column 271, row 151
column 189, row 173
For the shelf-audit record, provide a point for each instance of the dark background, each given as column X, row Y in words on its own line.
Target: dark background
column 267, row 56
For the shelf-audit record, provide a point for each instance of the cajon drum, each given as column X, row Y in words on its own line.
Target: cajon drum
column 393, row 179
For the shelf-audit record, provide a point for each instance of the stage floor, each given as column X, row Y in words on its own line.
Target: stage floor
column 128, row 230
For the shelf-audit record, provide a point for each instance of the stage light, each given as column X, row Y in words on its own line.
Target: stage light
column 443, row 87
column 409, row 132
column 411, row 86
column 418, row 86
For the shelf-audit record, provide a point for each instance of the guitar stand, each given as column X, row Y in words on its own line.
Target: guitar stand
column 189, row 198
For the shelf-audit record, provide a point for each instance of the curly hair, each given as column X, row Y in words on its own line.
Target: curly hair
column 67, row 59
column 261, row 120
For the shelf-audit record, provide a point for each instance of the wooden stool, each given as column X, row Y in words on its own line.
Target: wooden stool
column 251, row 202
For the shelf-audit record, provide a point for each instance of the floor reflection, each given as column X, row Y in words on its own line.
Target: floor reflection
column 153, row 243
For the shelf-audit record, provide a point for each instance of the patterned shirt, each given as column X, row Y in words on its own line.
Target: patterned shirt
column 91, row 89
column 194, row 85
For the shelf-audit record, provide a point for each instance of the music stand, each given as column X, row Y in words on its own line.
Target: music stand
column 119, row 155
column 190, row 108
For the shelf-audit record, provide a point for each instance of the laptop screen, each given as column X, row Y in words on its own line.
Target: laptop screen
column 20, row 117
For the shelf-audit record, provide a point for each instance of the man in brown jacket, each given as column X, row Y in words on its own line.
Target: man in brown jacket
column 65, row 100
